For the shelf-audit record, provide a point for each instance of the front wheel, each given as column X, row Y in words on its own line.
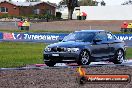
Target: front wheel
column 84, row 58
column 119, row 57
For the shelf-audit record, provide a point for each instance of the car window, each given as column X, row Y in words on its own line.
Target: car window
column 101, row 36
column 110, row 37
column 80, row 36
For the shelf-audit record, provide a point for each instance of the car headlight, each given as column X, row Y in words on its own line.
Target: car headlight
column 72, row 49
column 48, row 49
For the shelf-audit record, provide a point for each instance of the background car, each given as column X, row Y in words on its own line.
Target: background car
column 84, row 47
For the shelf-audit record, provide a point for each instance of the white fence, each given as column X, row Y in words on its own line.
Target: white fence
column 121, row 12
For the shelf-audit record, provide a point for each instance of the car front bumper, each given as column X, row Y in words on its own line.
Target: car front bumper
column 60, row 57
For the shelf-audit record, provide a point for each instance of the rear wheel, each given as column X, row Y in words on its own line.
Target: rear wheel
column 84, row 58
column 50, row 64
column 119, row 57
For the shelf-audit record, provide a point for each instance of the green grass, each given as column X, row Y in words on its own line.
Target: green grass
column 14, row 54
column 129, row 53
column 17, row 54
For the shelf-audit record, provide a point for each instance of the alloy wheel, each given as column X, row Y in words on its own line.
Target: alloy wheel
column 84, row 58
column 120, row 56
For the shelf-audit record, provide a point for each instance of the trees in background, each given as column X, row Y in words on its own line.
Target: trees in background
column 71, row 4
column 129, row 2
column 88, row 3
column 103, row 3
column 33, row 0
column 63, row 2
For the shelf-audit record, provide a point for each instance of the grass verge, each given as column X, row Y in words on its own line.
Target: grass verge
column 129, row 53
column 17, row 54
column 34, row 31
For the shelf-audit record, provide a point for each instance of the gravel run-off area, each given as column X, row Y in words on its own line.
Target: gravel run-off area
column 59, row 78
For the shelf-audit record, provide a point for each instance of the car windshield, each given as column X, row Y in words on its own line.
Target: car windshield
column 79, row 36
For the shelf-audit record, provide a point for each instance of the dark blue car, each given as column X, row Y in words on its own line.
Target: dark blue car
column 84, row 47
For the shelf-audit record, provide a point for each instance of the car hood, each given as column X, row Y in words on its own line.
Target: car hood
column 68, row 44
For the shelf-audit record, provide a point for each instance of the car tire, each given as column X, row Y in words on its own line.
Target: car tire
column 84, row 58
column 50, row 64
column 119, row 57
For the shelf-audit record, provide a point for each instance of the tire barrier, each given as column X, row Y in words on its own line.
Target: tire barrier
column 126, row 27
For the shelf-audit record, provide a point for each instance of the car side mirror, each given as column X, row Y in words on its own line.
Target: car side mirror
column 97, row 40
column 60, row 39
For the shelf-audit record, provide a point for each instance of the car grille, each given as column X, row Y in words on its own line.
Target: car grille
column 58, row 49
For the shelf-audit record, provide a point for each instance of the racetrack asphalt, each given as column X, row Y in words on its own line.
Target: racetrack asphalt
column 72, row 65
column 68, row 25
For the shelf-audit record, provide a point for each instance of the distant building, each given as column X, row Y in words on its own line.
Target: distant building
column 26, row 8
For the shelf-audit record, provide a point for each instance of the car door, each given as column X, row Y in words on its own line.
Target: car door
column 112, row 43
column 100, row 49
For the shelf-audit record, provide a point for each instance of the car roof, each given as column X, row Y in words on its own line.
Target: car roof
column 91, row 31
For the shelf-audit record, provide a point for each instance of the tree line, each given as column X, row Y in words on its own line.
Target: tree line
column 71, row 4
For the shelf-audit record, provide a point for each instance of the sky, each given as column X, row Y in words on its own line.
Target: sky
column 108, row 2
